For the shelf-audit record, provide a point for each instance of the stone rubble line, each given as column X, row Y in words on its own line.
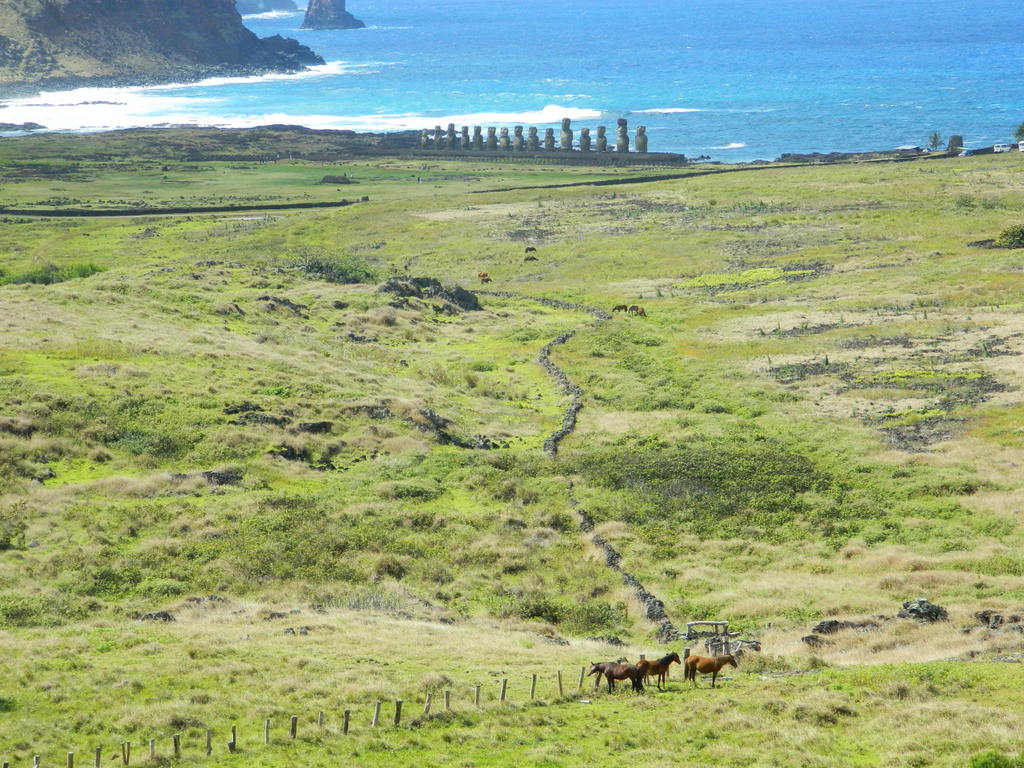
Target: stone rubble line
column 654, row 608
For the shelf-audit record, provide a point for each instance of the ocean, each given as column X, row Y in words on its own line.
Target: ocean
column 735, row 80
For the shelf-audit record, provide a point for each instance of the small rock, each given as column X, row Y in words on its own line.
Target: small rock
column 157, row 616
column 922, row 610
column 275, row 615
column 815, row 641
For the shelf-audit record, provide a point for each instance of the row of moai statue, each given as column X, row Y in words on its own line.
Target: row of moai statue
column 532, row 142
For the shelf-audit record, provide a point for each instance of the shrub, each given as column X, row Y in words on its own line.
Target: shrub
column 345, row 268
column 49, row 274
column 994, row 759
column 1012, row 237
column 12, row 527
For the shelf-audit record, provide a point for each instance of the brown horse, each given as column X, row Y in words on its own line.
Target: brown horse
column 640, row 312
column 484, row 277
column 633, row 309
column 612, row 671
column 706, row 666
column 620, row 308
column 659, row 667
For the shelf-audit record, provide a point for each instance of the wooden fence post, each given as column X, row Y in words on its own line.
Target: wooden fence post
column 6, row 764
column 233, row 744
column 476, row 696
column 582, row 671
column 293, row 729
column 376, row 714
column 71, row 760
column 35, row 761
column 504, row 687
column 209, row 742
column 320, row 720
column 99, row 757
column 686, row 654
column 447, row 701
column 560, row 692
column 126, row 752
column 152, row 749
column 266, row 731
column 344, row 727
column 398, row 713
column 533, row 685
column 176, row 740
column 426, row 705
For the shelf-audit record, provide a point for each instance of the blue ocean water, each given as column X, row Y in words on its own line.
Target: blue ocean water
column 733, row 79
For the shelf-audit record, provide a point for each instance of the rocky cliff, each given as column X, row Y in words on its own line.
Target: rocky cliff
column 135, row 41
column 265, row 6
column 329, row 14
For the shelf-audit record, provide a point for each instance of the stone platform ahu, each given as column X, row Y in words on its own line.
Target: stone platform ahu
column 450, row 140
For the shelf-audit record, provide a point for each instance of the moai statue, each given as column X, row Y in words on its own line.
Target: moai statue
column 584, row 139
column 464, row 138
column 602, row 140
column 532, row 141
column 492, row 139
column 452, row 142
column 622, row 137
column 517, row 139
column 438, row 137
column 503, row 144
column 956, row 143
column 566, row 137
column 478, row 139
column 424, row 138
column 549, row 139
column 641, row 139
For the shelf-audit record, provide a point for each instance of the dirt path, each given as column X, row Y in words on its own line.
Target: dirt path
column 653, row 608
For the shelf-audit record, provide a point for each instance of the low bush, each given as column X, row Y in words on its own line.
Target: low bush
column 49, row 274
column 345, row 268
column 1012, row 237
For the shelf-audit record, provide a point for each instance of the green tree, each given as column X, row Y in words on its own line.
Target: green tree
column 935, row 140
column 1019, row 133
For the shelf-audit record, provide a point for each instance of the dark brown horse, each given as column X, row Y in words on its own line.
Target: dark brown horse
column 633, row 309
column 706, row 666
column 659, row 668
column 620, row 308
column 612, row 671
column 640, row 312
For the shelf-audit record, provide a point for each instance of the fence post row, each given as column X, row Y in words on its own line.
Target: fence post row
column 126, row 746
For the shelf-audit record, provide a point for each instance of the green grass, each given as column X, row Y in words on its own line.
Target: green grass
column 818, row 418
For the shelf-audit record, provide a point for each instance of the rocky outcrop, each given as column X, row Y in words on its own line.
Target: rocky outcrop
column 330, row 14
column 133, row 41
column 264, row 6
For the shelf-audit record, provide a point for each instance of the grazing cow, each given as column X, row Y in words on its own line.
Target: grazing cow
column 620, row 308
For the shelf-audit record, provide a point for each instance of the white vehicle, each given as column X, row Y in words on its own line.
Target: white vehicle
column 1020, row 147
column 1002, row 147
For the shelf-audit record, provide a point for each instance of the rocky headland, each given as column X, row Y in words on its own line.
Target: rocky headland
column 330, row 14
column 67, row 43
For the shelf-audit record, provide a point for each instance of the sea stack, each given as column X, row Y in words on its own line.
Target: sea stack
column 330, row 14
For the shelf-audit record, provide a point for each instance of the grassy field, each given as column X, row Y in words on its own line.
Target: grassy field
column 819, row 418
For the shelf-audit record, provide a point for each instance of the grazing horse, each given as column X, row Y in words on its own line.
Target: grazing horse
column 633, row 309
column 620, row 308
column 640, row 312
column 530, row 258
column 613, row 671
column 530, row 249
column 659, row 667
column 705, row 665
column 484, row 277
